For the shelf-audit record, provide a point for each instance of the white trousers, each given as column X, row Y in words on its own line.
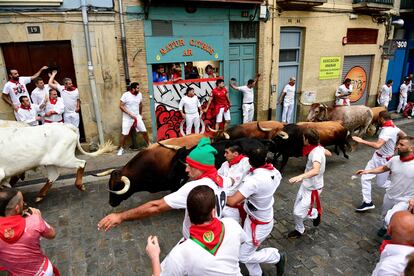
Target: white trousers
column 402, row 104
column 301, row 208
column 190, row 120
column 340, row 101
column 248, row 111
column 250, row 256
column 382, row 179
column 384, row 103
column 400, row 206
column 287, row 113
column 71, row 118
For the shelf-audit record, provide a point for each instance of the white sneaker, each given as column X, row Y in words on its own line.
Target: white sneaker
column 120, row 152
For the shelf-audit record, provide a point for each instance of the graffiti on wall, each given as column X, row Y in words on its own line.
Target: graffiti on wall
column 167, row 97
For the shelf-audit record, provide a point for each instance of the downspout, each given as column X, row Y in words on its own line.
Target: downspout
column 91, row 75
column 123, row 43
column 271, row 111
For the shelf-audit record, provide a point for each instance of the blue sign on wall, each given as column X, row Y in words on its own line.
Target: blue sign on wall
column 182, row 49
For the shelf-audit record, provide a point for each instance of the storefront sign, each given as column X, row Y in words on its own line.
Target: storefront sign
column 359, row 82
column 329, row 68
column 186, row 44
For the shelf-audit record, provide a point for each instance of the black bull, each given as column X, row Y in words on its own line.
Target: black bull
column 144, row 173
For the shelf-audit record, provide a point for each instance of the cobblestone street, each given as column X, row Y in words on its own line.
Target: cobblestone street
column 344, row 244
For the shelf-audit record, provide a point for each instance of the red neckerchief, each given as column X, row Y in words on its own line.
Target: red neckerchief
column 12, row 228
column 209, row 236
column 267, row 166
column 407, row 158
column 71, row 88
column 347, row 85
column 307, row 149
column 53, row 101
column 27, row 108
column 388, row 123
column 14, row 81
column 236, row 160
column 387, row 242
column 213, row 175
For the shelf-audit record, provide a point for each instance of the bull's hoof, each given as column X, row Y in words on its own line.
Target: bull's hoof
column 346, row 156
column 81, row 187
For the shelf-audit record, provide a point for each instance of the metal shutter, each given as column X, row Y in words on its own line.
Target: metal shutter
column 365, row 63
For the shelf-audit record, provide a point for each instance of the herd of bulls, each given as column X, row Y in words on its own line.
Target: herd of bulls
column 161, row 167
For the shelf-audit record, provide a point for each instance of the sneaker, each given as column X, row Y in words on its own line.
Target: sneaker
column 120, row 152
column 365, row 206
column 294, row 234
column 317, row 221
column 409, row 117
column 381, row 232
column 280, row 266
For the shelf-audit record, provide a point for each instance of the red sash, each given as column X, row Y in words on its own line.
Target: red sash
column 209, row 236
column 253, row 223
column 315, row 199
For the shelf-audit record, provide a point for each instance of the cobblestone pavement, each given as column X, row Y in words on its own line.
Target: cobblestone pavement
column 344, row 244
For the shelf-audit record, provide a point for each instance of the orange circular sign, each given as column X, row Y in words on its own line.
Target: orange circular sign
column 359, row 82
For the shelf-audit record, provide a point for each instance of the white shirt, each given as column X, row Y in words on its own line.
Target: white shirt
column 28, row 116
column 342, row 90
column 290, row 94
column 178, row 199
column 237, row 172
column 132, row 103
column 390, row 136
column 404, row 90
column 316, row 182
column 258, row 188
column 15, row 91
column 70, row 98
column 393, row 260
column 190, row 104
column 402, row 179
column 385, row 93
column 39, row 95
column 207, row 76
column 248, row 94
column 58, row 107
column 190, row 259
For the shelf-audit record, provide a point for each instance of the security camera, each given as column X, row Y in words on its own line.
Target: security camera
column 398, row 23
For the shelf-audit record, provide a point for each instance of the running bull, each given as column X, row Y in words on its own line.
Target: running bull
column 50, row 145
column 258, row 129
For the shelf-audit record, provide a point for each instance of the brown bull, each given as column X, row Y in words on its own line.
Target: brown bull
column 152, row 170
column 354, row 118
column 256, row 129
column 331, row 133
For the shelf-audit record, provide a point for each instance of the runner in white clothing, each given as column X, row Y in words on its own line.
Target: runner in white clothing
column 70, row 96
column 385, row 95
column 401, row 169
column 343, row 92
column 131, row 107
column 385, row 147
column 248, row 98
column 288, row 99
column 190, row 109
column 201, row 170
column 403, row 95
column 54, row 108
column 28, row 113
column 236, row 167
column 257, row 191
column 213, row 247
column 16, row 87
column 312, row 184
column 41, row 92
column 393, row 259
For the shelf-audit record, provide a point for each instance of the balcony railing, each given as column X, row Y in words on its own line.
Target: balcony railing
column 299, row 4
column 407, row 5
column 368, row 6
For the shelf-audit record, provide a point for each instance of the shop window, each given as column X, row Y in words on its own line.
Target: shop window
column 288, row 55
column 243, row 30
column 202, row 69
column 161, row 28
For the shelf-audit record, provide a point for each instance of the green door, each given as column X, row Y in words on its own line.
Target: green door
column 242, row 67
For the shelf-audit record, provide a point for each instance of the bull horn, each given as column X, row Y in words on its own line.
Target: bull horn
column 283, row 135
column 212, row 129
column 127, row 184
column 264, row 129
column 324, row 105
column 169, row 146
column 104, row 173
column 226, row 135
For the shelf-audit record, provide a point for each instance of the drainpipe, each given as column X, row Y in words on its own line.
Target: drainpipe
column 91, row 74
column 123, row 43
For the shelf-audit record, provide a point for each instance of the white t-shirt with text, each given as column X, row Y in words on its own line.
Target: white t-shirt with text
column 15, row 91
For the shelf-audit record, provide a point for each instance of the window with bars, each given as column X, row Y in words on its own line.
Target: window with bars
column 243, row 30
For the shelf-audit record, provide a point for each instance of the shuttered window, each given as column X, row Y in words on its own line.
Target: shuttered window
column 362, row 36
